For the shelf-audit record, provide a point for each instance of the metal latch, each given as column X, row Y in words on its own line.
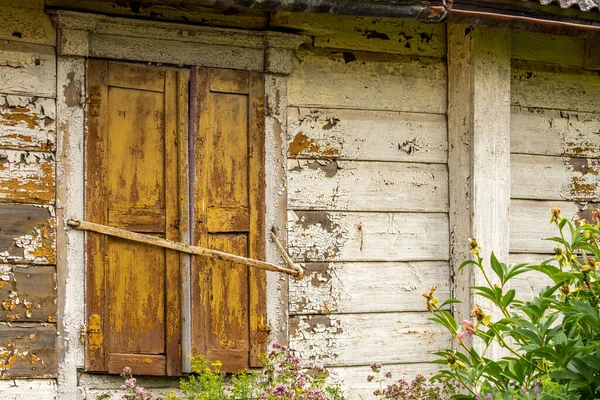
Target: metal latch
column 92, row 332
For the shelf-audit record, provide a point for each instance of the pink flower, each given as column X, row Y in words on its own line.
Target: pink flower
column 469, row 329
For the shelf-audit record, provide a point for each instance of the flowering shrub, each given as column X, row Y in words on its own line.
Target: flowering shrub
column 283, row 377
column 418, row 388
column 553, row 338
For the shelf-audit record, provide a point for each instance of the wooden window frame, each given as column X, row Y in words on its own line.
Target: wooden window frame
column 83, row 35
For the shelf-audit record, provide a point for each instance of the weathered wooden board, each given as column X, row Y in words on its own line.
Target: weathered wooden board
column 174, row 52
column 371, row 82
column 27, row 123
column 359, row 339
column 543, row 86
column 27, row 69
column 27, row 350
column 369, row 34
column 28, row 294
column 367, row 186
column 27, row 234
column 26, row 25
column 28, row 389
column 529, row 223
column 554, row 132
column 367, row 287
column 26, row 177
column 340, row 236
column 553, row 49
column 367, row 135
column 237, row 17
column 353, row 380
column 554, row 178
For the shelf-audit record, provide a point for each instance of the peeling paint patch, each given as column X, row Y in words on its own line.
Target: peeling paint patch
column 26, row 177
column 27, row 234
column 350, row 339
column 27, row 350
column 366, row 135
column 27, row 69
column 27, row 123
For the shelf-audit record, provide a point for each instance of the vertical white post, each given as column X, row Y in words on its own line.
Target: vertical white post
column 479, row 152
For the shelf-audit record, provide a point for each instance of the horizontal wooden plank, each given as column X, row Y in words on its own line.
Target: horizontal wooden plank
column 174, row 52
column 27, row 234
column 28, row 293
column 26, row 25
column 372, row 82
column 26, row 177
column 358, row 339
column 27, row 123
column 28, row 350
column 345, row 236
column 529, row 223
column 367, row 186
column 28, row 389
column 367, row 287
column 354, row 384
column 367, row 135
column 554, row 178
column 370, row 34
column 27, row 69
column 554, row 132
column 553, row 49
column 535, row 85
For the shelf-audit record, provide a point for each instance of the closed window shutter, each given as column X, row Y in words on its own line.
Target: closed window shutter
column 228, row 301
column 132, row 169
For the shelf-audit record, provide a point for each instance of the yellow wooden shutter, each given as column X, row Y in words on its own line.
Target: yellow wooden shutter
column 228, row 301
column 135, row 119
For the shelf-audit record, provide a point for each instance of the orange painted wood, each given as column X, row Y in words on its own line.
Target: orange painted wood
column 133, row 183
column 228, row 303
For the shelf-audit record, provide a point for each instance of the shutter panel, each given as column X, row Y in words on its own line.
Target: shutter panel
column 228, row 300
column 134, row 122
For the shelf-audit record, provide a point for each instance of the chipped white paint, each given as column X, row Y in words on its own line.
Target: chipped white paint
column 276, row 202
column 367, row 287
column 544, row 86
column 351, row 339
column 26, row 177
column 70, row 204
column 367, row 186
column 551, row 49
column 555, row 178
column 369, row 34
column 27, row 69
column 27, row 123
column 372, row 82
column 367, row 135
column 554, row 132
column 323, row 236
column 28, row 389
column 26, row 25
column 39, row 246
column 529, row 224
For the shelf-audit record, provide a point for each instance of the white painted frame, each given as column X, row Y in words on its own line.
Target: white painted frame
column 83, row 36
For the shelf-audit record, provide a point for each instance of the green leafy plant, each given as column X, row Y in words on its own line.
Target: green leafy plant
column 553, row 338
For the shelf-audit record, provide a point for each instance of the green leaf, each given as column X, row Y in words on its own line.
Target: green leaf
column 508, row 297
column 498, row 268
column 467, row 262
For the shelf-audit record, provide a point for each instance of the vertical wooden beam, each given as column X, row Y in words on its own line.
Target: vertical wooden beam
column 479, row 152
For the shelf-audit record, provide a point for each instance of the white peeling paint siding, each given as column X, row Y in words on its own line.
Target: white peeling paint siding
column 368, row 200
column 555, row 143
column 27, row 181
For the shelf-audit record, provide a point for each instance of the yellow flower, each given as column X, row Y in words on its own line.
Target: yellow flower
column 556, row 215
column 475, row 249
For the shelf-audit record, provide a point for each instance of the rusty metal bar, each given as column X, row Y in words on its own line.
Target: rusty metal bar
column 295, row 270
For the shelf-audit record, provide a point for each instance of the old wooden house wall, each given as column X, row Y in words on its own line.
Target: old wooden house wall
column 368, row 194
column 555, row 142
column 27, row 200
